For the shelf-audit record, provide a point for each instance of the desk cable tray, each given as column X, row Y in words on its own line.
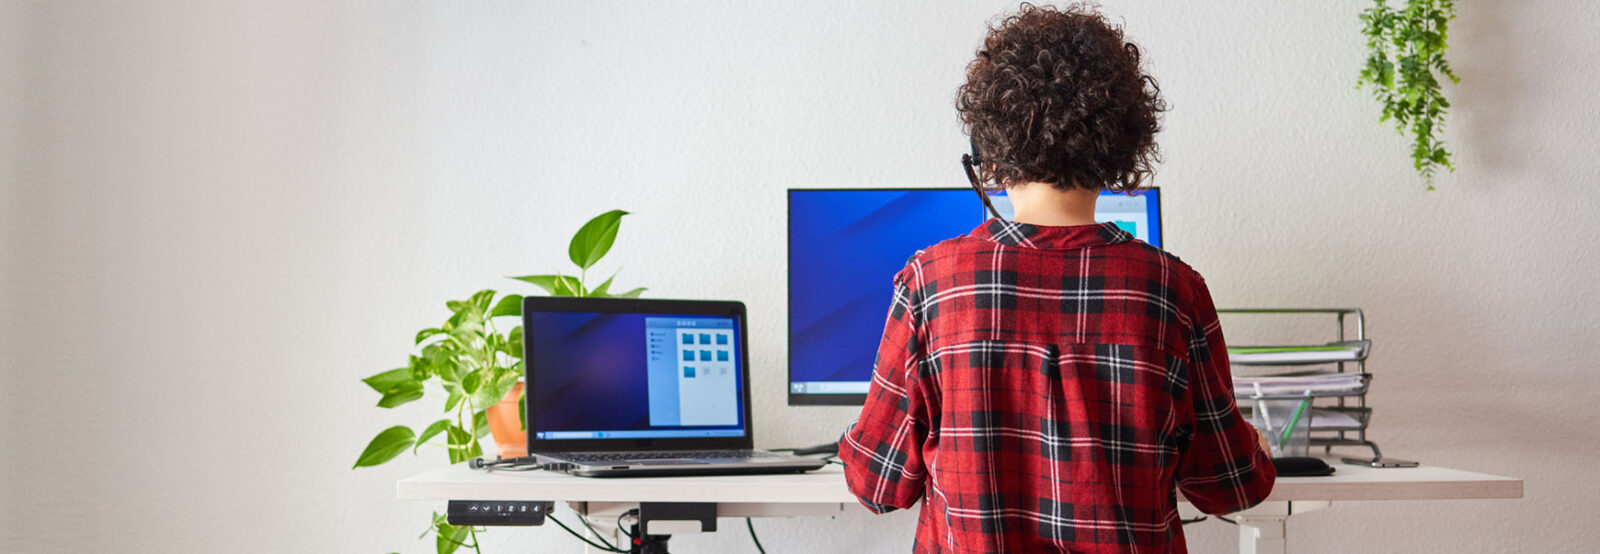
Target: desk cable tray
column 1333, row 374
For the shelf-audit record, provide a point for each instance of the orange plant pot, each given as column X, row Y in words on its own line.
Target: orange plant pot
column 505, row 425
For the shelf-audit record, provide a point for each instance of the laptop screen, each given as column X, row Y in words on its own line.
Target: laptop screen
column 634, row 376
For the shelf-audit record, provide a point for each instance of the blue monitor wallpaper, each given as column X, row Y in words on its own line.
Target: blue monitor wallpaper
column 845, row 247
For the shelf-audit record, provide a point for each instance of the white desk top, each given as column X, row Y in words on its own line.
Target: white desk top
column 827, row 486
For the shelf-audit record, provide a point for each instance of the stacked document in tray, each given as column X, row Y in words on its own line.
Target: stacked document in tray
column 1321, row 420
column 1321, row 384
column 1330, row 419
column 1347, row 351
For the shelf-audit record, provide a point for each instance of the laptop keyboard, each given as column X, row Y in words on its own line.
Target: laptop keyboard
column 686, row 454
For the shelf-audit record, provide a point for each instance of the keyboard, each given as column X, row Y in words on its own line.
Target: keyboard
column 685, row 454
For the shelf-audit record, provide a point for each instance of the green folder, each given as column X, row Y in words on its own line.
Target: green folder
column 1277, row 349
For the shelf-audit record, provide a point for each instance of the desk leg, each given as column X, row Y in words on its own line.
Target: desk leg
column 1264, row 528
column 1262, row 534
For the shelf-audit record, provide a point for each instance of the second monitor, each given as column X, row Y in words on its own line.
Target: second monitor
column 845, row 245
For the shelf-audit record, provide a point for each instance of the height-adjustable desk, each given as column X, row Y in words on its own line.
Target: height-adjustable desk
column 823, row 493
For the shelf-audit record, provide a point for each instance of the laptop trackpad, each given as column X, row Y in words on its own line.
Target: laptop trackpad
column 666, row 462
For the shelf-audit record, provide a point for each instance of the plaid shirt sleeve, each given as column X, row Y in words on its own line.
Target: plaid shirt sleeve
column 1224, row 469
column 882, row 451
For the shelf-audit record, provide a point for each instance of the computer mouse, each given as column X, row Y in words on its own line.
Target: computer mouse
column 1301, row 466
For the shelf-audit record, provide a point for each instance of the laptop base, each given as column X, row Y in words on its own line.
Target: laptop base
column 685, row 466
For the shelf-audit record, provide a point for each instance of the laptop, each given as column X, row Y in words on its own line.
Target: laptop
column 630, row 387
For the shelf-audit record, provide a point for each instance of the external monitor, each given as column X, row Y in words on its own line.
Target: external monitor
column 845, row 245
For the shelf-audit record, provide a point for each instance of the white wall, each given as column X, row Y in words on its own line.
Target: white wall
column 217, row 218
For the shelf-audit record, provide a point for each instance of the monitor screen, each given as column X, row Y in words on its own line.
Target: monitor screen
column 845, row 247
column 634, row 376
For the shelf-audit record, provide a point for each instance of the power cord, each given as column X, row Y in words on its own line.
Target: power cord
column 582, row 538
column 518, row 464
column 624, row 530
column 597, row 535
column 752, row 527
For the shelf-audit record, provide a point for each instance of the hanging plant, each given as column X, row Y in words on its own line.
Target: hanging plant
column 1406, row 56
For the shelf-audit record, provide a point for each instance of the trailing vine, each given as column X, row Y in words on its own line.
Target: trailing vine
column 1406, row 55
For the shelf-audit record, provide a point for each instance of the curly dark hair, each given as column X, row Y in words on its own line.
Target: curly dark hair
column 1057, row 96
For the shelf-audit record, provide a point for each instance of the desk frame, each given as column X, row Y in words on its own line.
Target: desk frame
column 823, row 493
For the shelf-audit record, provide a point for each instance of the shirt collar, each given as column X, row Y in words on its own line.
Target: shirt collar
column 1011, row 233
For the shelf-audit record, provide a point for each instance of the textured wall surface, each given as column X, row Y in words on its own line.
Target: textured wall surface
column 217, row 217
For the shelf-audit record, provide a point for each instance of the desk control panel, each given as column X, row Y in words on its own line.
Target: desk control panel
column 498, row 512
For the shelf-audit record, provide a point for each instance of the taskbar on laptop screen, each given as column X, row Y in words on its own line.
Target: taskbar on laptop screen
column 656, row 434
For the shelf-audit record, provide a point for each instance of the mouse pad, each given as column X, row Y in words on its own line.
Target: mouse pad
column 1301, row 466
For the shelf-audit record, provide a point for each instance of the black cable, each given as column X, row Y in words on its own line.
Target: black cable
column 517, row 464
column 480, row 463
column 581, row 537
column 1182, row 521
column 625, row 530
column 752, row 527
column 597, row 535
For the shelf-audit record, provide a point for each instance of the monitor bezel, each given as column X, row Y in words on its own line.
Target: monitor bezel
column 856, row 399
column 724, row 308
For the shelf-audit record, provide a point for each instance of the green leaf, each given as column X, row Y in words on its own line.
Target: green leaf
column 430, row 432
column 489, row 394
column 471, row 382
column 425, row 333
column 403, row 393
column 632, row 293
column 480, row 300
column 384, row 447
column 480, row 424
column 421, row 368
column 601, row 290
column 594, row 239
column 454, row 399
column 514, row 343
column 552, row 284
column 510, row 305
column 387, row 381
column 567, row 286
column 449, row 370
column 468, row 335
column 522, row 411
column 462, row 446
column 450, row 538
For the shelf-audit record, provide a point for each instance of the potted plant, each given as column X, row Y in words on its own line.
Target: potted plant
column 476, row 368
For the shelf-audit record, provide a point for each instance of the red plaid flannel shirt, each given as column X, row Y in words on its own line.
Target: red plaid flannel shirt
column 1050, row 389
